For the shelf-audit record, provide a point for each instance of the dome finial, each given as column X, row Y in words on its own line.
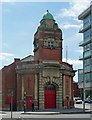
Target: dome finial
column 48, row 16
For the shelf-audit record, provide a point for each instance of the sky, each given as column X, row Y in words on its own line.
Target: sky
column 20, row 19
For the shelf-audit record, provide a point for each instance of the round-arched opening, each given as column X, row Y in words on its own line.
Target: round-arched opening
column 50, row 96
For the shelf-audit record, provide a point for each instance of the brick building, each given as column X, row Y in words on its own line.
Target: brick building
column 0, row 90
column 78, row 92
column 42, row 78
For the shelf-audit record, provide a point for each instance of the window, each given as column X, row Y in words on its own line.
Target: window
column 87, row 61
column 87, row 35
column 11, row 91
column 87, row 47
column 87, row 53
column 50, row 44
column 50, row 88
column 86, row 20
column 87, row 77
column 87, row 69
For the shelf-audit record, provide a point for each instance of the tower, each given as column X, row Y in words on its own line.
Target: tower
column 48, row 40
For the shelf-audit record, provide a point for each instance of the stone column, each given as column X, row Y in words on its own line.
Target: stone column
column 64, row 96
column 17, row 93
column 70, row 88
column 64, row 87
column 36, row 92
column 22, row 86
column 60, row 97
column 36, row 88
column 60, row 92
column 41, row 93
column 57, row 98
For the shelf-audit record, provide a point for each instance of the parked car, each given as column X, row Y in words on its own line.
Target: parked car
column 78, row 100
column 88, row 101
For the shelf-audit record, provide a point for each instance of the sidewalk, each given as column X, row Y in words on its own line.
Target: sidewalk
column 57, row 111
column 2, row 112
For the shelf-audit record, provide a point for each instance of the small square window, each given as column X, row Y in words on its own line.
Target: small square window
column 50, row 44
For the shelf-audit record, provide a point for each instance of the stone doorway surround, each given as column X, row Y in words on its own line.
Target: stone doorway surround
column 52, row 76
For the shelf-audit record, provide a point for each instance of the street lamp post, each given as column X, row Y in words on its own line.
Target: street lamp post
column 83, row 85
column 24, row 101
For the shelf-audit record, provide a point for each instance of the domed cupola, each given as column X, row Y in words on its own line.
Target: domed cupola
column 47, row 16
column 47, row 21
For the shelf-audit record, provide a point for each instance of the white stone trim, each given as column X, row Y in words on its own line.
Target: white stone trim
column 55, row 81
column 22, row 86
column 36, row 88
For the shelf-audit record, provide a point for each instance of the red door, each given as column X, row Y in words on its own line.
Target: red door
column 67, row 101
column 50, row 97
column 29, row 102
column 9, row 99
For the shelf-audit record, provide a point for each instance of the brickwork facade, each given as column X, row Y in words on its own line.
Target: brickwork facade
column 30, row 76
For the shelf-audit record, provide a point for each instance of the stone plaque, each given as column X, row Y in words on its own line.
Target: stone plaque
column 51, row 72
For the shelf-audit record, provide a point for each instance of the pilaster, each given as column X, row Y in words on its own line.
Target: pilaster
column 36, row 88
column 22, row 86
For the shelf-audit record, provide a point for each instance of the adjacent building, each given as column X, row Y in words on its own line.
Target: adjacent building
column 86, row 17
column 78, row 92
column 80, row 78
column 0, row 90
column 43, row 78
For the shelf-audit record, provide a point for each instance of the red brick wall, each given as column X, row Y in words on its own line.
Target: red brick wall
column 43, row 34
column 45, row 53
column 8, row 82
column 36, row 55
column 0, row 80
column 70, row 102
column 67, row 85
column 49, row 54
column 0, row 89
column 29, row 84
column 72, row 88
column 18, row 87
column 77, row 91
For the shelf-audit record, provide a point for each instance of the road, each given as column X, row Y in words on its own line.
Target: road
column 18, row 114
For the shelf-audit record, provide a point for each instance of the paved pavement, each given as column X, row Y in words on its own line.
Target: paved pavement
column 78, row 109
column 56, row 111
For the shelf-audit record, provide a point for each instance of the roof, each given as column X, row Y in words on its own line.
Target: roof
column 28, row 58
column 84, row 13
column 48, row 16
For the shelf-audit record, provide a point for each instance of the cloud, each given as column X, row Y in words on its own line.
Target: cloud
column 6, row 56
column 67, row 26
column 76, row 7
column 80, row 51
column 75, row 63
column 76, row 19
column 6, row 0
